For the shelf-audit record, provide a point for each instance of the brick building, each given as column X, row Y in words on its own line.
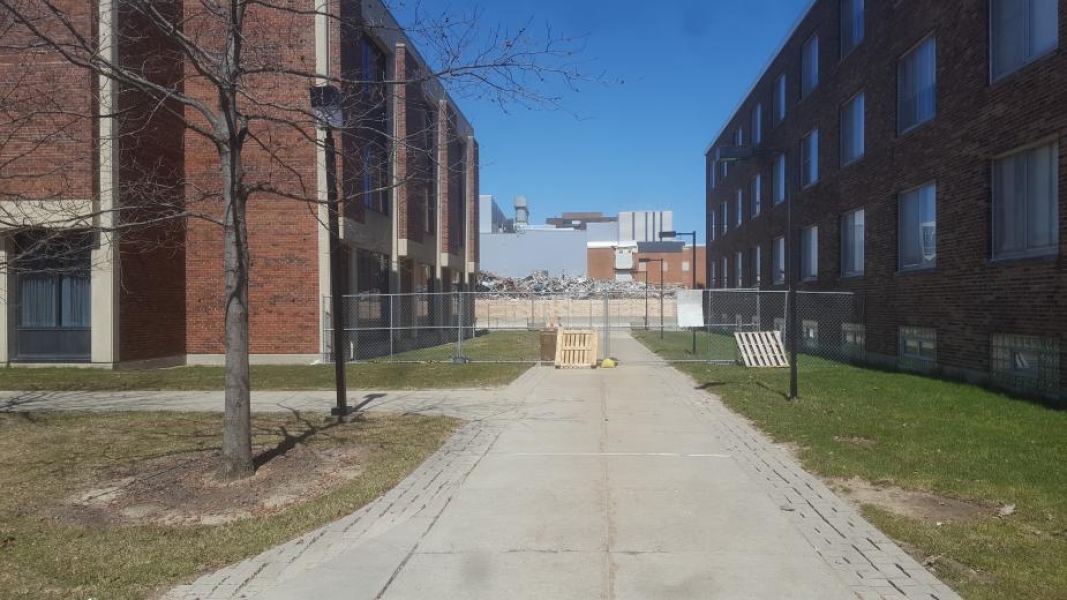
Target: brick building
column 99, row 294
column 677, row 263
column 919, row 145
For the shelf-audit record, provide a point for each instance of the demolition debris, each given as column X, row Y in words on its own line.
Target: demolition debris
column 580, row 287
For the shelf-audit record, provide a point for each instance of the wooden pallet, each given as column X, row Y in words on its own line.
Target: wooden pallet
column 762, row 349
column 576, row 349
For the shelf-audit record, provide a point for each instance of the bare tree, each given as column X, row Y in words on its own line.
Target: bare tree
column 224, row 71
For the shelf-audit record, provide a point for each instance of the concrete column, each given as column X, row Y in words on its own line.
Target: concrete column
column 401, row 198
column 105, row 265
column 442, row 189
column 322, row 67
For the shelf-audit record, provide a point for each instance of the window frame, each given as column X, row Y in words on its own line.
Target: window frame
column 862, row 97
column 739, row 216
column 862, row 269
column 903, row 131
column 863, row 30
column 925, row 266
column 804, row 58
column 804, row 276
column 1050, row 251
column 757, row 124
column 778, row 247
column 739, row 267
column 756, row 193
column 780, row 100
column 813, row 157
column 993, row 77
column 780, row 170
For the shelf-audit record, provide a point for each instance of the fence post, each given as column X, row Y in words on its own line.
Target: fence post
column 607, row 325
column 391, row 311
column 459, row 358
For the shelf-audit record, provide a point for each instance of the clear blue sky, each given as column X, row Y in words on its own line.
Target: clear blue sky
column 684, row 66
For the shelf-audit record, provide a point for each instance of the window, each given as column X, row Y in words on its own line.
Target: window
column 757, row 124
column 725, row 209
column 918, row 228
column 810, row 332
column 779, row 325
column 918, row 347
column 1021, row 31
column 757, row 194
column 852, row 241
column 725, row 273
column 809, row 159
column 757, row 265
column 809, row 254
column 739, row 270
column 740, row 213
column 917, row 86
column 853, row 339
column 1026, row 204
column 713, row 174
column 52, row 311
column 779, row 99
column 739, row 137
column 809, row 67
column 713, row 229
column 1026, row 363
column 779, row 179
column 852, row 25
column 853, row 135
column 714, row 276
column 778, row 261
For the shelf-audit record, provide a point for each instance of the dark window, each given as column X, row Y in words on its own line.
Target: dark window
column 54, row 313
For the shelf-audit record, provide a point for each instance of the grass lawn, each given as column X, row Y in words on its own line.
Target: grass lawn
column 951, row 439
column 49, row 457
column 366, row 376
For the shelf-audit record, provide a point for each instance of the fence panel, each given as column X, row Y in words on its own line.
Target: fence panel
column 506, row 326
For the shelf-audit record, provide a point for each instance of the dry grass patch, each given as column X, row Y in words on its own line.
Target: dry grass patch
column 122, row 506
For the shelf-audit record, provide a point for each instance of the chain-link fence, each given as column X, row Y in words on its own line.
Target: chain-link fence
column 518, row 326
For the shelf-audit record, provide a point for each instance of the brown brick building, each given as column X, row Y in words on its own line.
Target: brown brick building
column 101, row 294
column 677, row 264
column 920, row 147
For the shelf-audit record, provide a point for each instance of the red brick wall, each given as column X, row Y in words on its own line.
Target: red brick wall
column 601, row 266
column 968, row 296
column 47, row 131
column 285, row 299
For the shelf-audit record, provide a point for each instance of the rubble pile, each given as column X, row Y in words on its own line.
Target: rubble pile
column 574, row 286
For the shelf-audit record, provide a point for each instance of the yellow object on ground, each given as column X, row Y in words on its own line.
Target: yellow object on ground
column 608, row 363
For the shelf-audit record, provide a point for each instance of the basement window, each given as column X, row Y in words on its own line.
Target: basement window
column 1026, row 363
column 918, row 348
column 810, row 331
column 853, row 339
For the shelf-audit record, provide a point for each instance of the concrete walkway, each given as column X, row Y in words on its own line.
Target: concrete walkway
column 625, row 483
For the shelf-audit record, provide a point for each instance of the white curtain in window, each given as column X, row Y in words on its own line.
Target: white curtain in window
column 37, row 295
column 75, row 292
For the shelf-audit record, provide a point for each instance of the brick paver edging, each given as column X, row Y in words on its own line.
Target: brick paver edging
column 424, row 493
column 872, row 564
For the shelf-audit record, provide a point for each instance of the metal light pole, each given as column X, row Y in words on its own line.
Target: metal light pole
column 670, row 235
column 662, row 289
column 326, row 105
column 791, row 299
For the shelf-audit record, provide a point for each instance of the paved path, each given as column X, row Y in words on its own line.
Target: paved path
column 624, row 483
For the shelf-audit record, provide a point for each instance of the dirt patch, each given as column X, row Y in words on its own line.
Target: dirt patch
column 922, row 506
column 182, row 489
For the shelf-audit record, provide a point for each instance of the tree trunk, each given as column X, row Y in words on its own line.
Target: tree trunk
column 236, row 425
